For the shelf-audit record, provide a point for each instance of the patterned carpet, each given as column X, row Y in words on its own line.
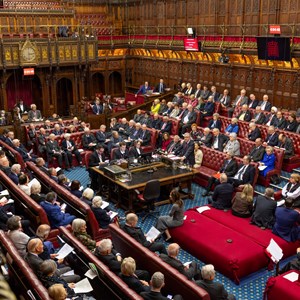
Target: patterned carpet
column 250, row 288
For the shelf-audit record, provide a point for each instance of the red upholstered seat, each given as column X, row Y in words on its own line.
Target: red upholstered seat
column 279, row 288
column 259, row 236
column 232, row 254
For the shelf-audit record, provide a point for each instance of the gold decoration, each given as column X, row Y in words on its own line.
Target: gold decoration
column 28, row 53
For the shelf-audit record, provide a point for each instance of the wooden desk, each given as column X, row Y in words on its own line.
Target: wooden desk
column 124, row 193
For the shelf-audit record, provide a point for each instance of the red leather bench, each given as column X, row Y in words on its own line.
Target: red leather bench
column 243, row 226
column 176, row 283
column 279, row 288
column 23, row 276
column 232, row 254
column 81, row 209
column 130, row 97
column 208, row 118
column 14, row 153
column 110, row 278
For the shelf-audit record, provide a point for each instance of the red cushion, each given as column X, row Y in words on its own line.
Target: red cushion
column 208, row 240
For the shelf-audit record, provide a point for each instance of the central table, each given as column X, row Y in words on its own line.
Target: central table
column 124, row 193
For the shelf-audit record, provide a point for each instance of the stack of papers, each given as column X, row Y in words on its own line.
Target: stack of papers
column 293, row 276
column 4, row 193
column 112, row 214
column 152, row 234
column 64, row 251
column 34, row 180
column 104, row 204
column 201, row 209
column 275, row 251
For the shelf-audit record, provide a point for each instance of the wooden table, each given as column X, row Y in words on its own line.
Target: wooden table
column 124, row 193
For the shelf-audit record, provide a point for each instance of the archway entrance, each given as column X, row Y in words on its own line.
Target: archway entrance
column 115, row 83
column 97, row 84
column 64, row 96
column 27, row 88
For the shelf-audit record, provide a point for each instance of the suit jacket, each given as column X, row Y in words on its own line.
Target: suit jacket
column 215, row 290
column 173, row 262
column 118, row 155
column 257, row 153
column 229, row 168
column 156, row 124
column 34, row 262
column 110, row 260
column 224, row 100
column 288, row 146
column 282, row 123
column 145, row 136
column 248, row 175
column 205, row 94
column 137, row 234
column 247, row 117
column 253, row 104
column 157, row 87
column 58, row 132
column 259, row 118
column 102, row 217
column 222, row 196
column 216, row 96
column 187, row 150
column 214, row 124
column 97, row 109
column 264, row 212
column 207, row 139
column 286, row 224
column 153, row 296
column 209, row 108
column 291, row 126
column 55, row 216
column 273, row 118
column 134, row 283
column 192, row 116
column 197, row 93
column 267, row 107
column 22, row 109
column 272, row 140
column 34, row 115
column 254, row 134
column 233, row 146
column 244, row 100
column 222, row 140
column 94, row 159
column 8, row 141
column 174, row 147
column 167, row 127
column 143, row 89
column 133, row 152
column 14, row 178
column 52, row 146
column 23, row 152
column 86, row 140
column 101, row 136
column 65, row 147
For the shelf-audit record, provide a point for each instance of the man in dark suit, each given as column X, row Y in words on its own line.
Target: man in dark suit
column 215, row 290
column 121, row 152
column 272, row 137
column 198, row 91
column 156, row 122
column 253, row 102
column 157, row 282
column 239, row 101
column 57, row 130
column 31, row 135
column 222, row 196
column 53, row 150
column 40, row 163
column 186, row 152
column 257, row 152
column 224, row 99
column 265, row 104
column 108, row 255
column 97, row 107
column 138, row 235
column 264, row 210
column 206, row 138
column 175, row 145
column 102, row 136
column 214, row 93
column 42, row 141
column 123, row 126
column 287, row 144
column 136, row 132
column 281, row 121
column 165, row 126
column 245, row 114
column 245, row 173
column 229, row 167
column 259, row 117
column 287, row 220
column 254, row 132
column 188, row 118
column 15, row 171
column 69, row 147
column 160, row 87
column 9, row 138
column 271, row 118
column 191, row 271
column 138, row 116
column 294, row 264
column 143, row 89
column 23, row 108
column 88, row 140
column 208, row 109
column 215, row 122
column 219, row 140
column 145, row 136
column 26, row 156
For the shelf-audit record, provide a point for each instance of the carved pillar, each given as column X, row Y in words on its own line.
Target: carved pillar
column 81, row 83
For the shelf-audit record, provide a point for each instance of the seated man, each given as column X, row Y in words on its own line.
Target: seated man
column 157, row 282
column 215, row 290
column 264, row 210
column 34, row 114
column 15, row 173
column 206, row 138
column 286, row 143
column 145, row 136
column 135, row 232
column 294, row 264
column 257, row 152
column 259, row 117
column 222, row 196
column 245, row 114
column 56, row 215
column 219, row 140
column 97, row 107
column 69, row 147
column 191, row 271
column 88, row 140
column 108, row 255
column 271, row 138
column 121, row 152
column 174, row 145
column 254, row 132
column 287, row 220
column 186, row 152
column 188, row 118
column 292, row 189
column 208, row 109
column 26, row 156
column 57, row 130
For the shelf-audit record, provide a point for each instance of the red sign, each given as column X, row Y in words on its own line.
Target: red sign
column 28, row 71
column 275, row 29
column 191, row 44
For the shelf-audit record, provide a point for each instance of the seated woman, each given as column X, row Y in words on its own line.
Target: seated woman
column 233, row 127
column 215, row 122
column 87, row 196
column 175, row 217
column 175, row 112
column 75, row 188
column 166, row 140
column 128, row 267
column 79, row 230
column 268, row 161
column 17, row 236
column 198, row 155
column 292, row 189
column 35, row 192
column 195, row 134
column 101, row 214
column 63, row 181
column 23, row 184
column 242, row 203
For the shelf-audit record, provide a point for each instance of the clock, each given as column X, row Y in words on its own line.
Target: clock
column 28, row 54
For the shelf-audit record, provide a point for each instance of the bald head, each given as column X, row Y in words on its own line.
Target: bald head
column 173, row 250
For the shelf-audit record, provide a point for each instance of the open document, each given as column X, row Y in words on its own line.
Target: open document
column 275, row 251
column 201, row 209
column 83, row 286
column 64, row 251
column 152, row 234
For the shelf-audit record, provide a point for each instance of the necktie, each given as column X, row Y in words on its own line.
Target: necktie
column 164, row 125
column 160, row 88
column 171, row 148
column 241, row 171
column 239, row 101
